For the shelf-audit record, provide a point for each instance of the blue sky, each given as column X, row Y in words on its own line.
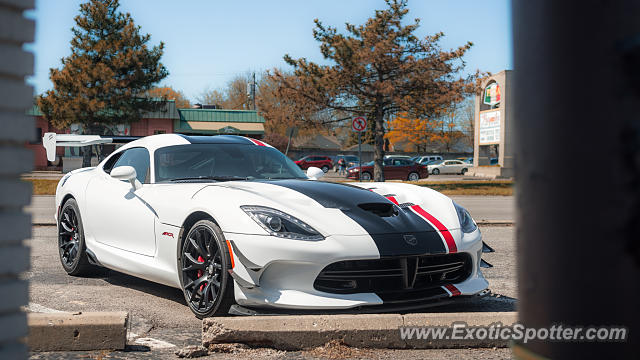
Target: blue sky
column 208, row 42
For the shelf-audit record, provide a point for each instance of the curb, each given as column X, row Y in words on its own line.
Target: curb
column 77, row 331
column 362, row 331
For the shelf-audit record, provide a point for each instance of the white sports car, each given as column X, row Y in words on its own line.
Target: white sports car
column 233, row 222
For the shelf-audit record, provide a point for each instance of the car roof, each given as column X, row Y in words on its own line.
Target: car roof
column 155, row 142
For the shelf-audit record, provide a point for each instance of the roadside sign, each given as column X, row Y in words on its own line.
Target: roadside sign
column 359, row 124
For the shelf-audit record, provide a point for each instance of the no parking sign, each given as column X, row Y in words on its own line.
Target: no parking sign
column 359, row 124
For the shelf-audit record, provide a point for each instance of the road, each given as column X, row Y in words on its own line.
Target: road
column 497, row 208
column 159, row 312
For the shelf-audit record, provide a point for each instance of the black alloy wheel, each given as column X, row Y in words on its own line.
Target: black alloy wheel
column 204, row 264
column 71, row 245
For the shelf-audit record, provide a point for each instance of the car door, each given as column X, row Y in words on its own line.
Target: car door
column 459, row 165
column 445, row 168
column 119, row 215
column 404, row 168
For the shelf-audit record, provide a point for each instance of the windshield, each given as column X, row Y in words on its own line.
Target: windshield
column 223, row 162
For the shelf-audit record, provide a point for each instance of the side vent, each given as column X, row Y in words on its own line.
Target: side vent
column 380, row 209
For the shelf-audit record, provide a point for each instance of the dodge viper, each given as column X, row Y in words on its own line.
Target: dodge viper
column 235, row 224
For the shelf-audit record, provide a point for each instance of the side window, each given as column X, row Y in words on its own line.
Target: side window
column 112, row 161
column 138, row 158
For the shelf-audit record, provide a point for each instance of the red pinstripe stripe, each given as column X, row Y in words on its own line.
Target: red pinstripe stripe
column 448, row 238
column 257, row 142
column 454, row 290
column 392, row 199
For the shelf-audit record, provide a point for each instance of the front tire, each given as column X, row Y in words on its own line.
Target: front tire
column 435, row 172
column 365, row 176
column 325, row 169
column 71, row 245
column 204, row 270
column 414, row 176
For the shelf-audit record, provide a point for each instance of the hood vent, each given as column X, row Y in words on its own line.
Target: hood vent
column 380, row 209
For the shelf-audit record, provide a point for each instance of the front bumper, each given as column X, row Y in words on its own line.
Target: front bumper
column 274, row 273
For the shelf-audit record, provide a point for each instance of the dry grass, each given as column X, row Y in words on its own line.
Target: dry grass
column 462, row 187
column 43, row 186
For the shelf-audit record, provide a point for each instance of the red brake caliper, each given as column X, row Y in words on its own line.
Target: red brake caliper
column 200, row 272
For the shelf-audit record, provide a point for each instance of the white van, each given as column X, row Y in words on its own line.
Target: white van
column 427, row 158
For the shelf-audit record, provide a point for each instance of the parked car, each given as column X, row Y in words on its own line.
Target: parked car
column 426, row 158
column 407, row 157
column 351, row 160
column 321, row 162
column 448, row 167
column 394, row 169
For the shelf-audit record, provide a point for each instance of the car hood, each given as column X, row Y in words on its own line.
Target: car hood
column 340, row 209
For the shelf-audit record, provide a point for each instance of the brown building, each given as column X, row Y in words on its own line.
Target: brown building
column 167, row 121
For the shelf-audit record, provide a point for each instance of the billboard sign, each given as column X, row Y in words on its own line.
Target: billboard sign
column 492, row 94
column 489, row 127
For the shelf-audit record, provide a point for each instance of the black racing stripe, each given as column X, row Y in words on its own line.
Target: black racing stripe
column 393, row 235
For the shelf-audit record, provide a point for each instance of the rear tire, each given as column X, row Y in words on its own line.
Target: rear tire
column 464, row 171
column 325, row 169
column 435, row 172
column 366, row 176
column 204, row 263
column 71, row 244
column 413, row 176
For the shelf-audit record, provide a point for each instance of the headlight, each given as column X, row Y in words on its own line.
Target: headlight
column 467, row 225
column 281, row 225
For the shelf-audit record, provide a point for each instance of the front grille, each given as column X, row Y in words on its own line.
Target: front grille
column 394, row 274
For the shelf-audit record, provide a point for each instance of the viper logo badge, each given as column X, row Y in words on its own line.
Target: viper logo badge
column 410, row 239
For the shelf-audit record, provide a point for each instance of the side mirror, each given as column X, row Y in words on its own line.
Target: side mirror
column 314, row 173
column 127, row 173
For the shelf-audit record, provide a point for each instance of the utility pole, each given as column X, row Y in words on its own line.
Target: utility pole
column 576, row 97
column 253, row 90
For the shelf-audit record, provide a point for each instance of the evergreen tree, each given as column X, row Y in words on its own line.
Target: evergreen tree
column 382, row 68
column 104, row 80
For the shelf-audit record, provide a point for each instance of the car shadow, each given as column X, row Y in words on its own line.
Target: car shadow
column 123, row 280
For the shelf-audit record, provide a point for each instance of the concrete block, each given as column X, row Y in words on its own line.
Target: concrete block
column 15, row 160
column 14, row 351
column 16, row 62
column 16, row 126
column 15, row 94
column 13, row 325
column 14, row 28
column 14, row 260
column 16, row 226
column 18, row 4
column 15, row 193
column 19, row 291
column 363, row 331
column 300, row 332
column 82, row 331
column 475, row 319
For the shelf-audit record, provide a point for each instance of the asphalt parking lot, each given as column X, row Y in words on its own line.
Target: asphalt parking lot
column 162, row 323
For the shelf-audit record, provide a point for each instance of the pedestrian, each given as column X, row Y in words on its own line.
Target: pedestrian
column 341, row 167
